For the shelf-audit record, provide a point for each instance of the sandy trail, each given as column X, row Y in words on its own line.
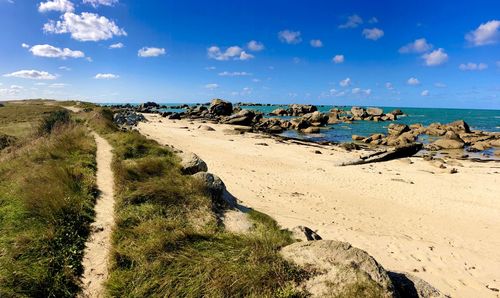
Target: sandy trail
column 98, row 245
column 410, row 215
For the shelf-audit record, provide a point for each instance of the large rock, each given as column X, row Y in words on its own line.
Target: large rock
column 397, row 112
column 213, row 184
column 459, row 126
column 396, row 129
column 243, row 117
column 299, row 110
column 279, row 112
column 220, row 107
column 149, row 105
column 410, row 286
column 128, row 118
column 340, row 270
column 358, row 112
column 192, row 164
column 299, row 123
column 316, row 118
column 449, row 144
column 374, row 111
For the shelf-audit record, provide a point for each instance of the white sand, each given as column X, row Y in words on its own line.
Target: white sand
column 442, row 227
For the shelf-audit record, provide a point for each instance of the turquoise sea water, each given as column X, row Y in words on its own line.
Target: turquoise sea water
column 487, row 120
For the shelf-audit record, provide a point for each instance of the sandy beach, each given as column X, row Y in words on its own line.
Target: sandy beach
column 409, row 214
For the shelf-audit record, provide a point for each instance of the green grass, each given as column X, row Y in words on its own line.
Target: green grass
column 47, row 193
column 167, row 242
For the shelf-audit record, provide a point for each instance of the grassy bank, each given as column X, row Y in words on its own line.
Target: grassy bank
column 47, row 192
column 167, row 242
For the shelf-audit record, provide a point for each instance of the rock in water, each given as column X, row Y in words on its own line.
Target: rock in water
column 375, row 111
column 340, row 270
column 459, row 126
column 358, row 112
column 279, row 112
column 396, row 129
column 192, row 164
column 221, row 107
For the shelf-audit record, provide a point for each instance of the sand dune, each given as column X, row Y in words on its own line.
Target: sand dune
column 409, row 214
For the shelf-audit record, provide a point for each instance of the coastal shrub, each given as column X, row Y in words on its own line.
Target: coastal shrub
column 167, row 241
column 47, row 193
column 54, row 119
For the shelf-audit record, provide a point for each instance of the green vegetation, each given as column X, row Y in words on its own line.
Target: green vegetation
column 47, row 193
column 20, row 119
column 167, row 242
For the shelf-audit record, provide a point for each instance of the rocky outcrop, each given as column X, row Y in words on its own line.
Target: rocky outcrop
column 396, row 129
column 279, row 112
column 220, row 107
column 449, row 144
column 387, row 154
column 192, row 164
column 339, row 270
column 300, row 110
column 243, row 117
column 213, row 185
column 375, row 111
column 358, row 112
column 316, row 118
column 410, row 286
column 128, row 118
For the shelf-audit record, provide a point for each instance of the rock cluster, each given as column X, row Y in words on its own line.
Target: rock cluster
column 128, row 118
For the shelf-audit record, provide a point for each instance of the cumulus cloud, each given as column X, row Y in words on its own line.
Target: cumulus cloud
column 413, row 81
column 345, row 82
column 64, row 68
column 106, row 76
column 11, row 90
column 418, row 46
column 255, row 46
column 487, row 33
column 358, row 91
column 231, row 53
column 473, row 66
column 234, row 74
column 425, row 93
column 56, row 5
column 211, row 86
column 25, row 45
column 389, row 86
column 337, row 59
column 147, row 52
column 316, row 43
column 289, row 37
column 96, row 3
column 352, row 22
column 435, row 58
column 48, row 51
column 31, row 74
column 117, row 46
column 85, row 27
column 373, row 33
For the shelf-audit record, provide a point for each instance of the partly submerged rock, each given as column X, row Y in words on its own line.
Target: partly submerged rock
column 192, row 164
column 375, row 111
column 339, row 269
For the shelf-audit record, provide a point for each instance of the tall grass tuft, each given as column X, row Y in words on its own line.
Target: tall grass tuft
column 53, row 120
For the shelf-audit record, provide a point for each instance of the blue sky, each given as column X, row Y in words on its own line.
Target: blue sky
column 390, row 53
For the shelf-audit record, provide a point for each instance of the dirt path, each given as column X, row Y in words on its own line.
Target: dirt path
column 98, row 245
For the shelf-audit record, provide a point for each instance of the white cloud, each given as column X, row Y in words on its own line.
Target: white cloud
column 64, row 68
column 147, row 52
column 352, row 22
column 12, row 90
column 96, row 3
column 56, row 5
column 413, row 81
column 338, row 59
column 316, row 43
column 345, row 82
column 117, row 46
column 231, row 53
column 85, row 27
column 25, row 45
column 256, row 80
column 425, row 93
column 487, row 33
column 211, row 86
column 106, row 76
column 418, row 46
column 31, row 74
column 234, row 74
column 373, row 33
column 57, row 85
column 48, row 51
column 373, row 20
column 440, row 85
column 210, row 68
column 435, row 58
column 289, row 37
column 473, row 66
column 389, row 86
column 366, row 92
column 255, row 46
